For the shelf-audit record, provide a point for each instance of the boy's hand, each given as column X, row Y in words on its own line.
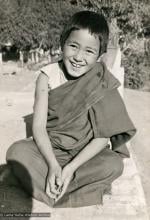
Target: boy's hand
column 66, row 177
column 54, row 181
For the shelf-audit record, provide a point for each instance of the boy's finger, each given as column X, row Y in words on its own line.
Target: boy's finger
column 53, row 187
column 58, row 182
column 63, row 190
column 48, row 192
column 51, row 195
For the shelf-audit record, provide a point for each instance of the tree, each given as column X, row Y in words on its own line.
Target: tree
column 28, row 23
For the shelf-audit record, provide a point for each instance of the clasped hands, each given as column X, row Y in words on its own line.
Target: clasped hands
column 58, row 181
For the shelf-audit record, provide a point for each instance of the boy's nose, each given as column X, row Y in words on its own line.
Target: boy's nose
column 78, row 56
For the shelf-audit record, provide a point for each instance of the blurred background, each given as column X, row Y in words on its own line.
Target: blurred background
column 30, row 32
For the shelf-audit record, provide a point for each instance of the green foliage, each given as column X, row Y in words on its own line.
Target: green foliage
column 30, row 23
column 132, row 15
column 57, row 17
column 27, row 23
column 137, row 68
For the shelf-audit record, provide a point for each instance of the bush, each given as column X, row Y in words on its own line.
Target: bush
column 136, row 69
column 134, row 78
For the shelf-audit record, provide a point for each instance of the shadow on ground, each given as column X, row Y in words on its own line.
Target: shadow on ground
column 15, row 203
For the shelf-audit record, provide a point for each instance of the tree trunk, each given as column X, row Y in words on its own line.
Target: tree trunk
column 32, row 57
column 1, row 60
column 21, row 57
column 36, row 57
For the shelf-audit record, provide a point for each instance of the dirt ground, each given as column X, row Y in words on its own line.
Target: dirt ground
column 16, row 79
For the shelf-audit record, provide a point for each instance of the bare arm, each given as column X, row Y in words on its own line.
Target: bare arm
column 41, row 137
column 92, row 149
column 40, row 118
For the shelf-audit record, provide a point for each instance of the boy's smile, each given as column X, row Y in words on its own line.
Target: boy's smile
column 80, row 52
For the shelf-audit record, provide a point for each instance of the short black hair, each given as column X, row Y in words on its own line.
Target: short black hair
column 94, row 22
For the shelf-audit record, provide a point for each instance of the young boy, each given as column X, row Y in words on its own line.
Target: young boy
column 77, row 112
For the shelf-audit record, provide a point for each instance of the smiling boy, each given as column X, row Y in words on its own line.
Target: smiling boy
column 77, row 112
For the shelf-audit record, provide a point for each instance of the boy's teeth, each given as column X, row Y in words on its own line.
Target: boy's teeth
column 75, row 65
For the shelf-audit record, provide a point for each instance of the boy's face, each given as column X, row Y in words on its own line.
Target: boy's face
column 80, row 52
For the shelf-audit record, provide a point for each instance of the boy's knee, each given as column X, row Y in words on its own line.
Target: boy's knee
column 16, row 152
column 117, row 167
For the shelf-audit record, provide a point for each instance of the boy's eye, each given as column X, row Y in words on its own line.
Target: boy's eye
column 90, row 51
column 73, row 45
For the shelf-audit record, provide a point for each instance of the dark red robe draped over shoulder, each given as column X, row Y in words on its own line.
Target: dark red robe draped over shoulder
column 89, row 107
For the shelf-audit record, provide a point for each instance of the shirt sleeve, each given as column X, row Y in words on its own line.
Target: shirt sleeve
column 53, row 73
